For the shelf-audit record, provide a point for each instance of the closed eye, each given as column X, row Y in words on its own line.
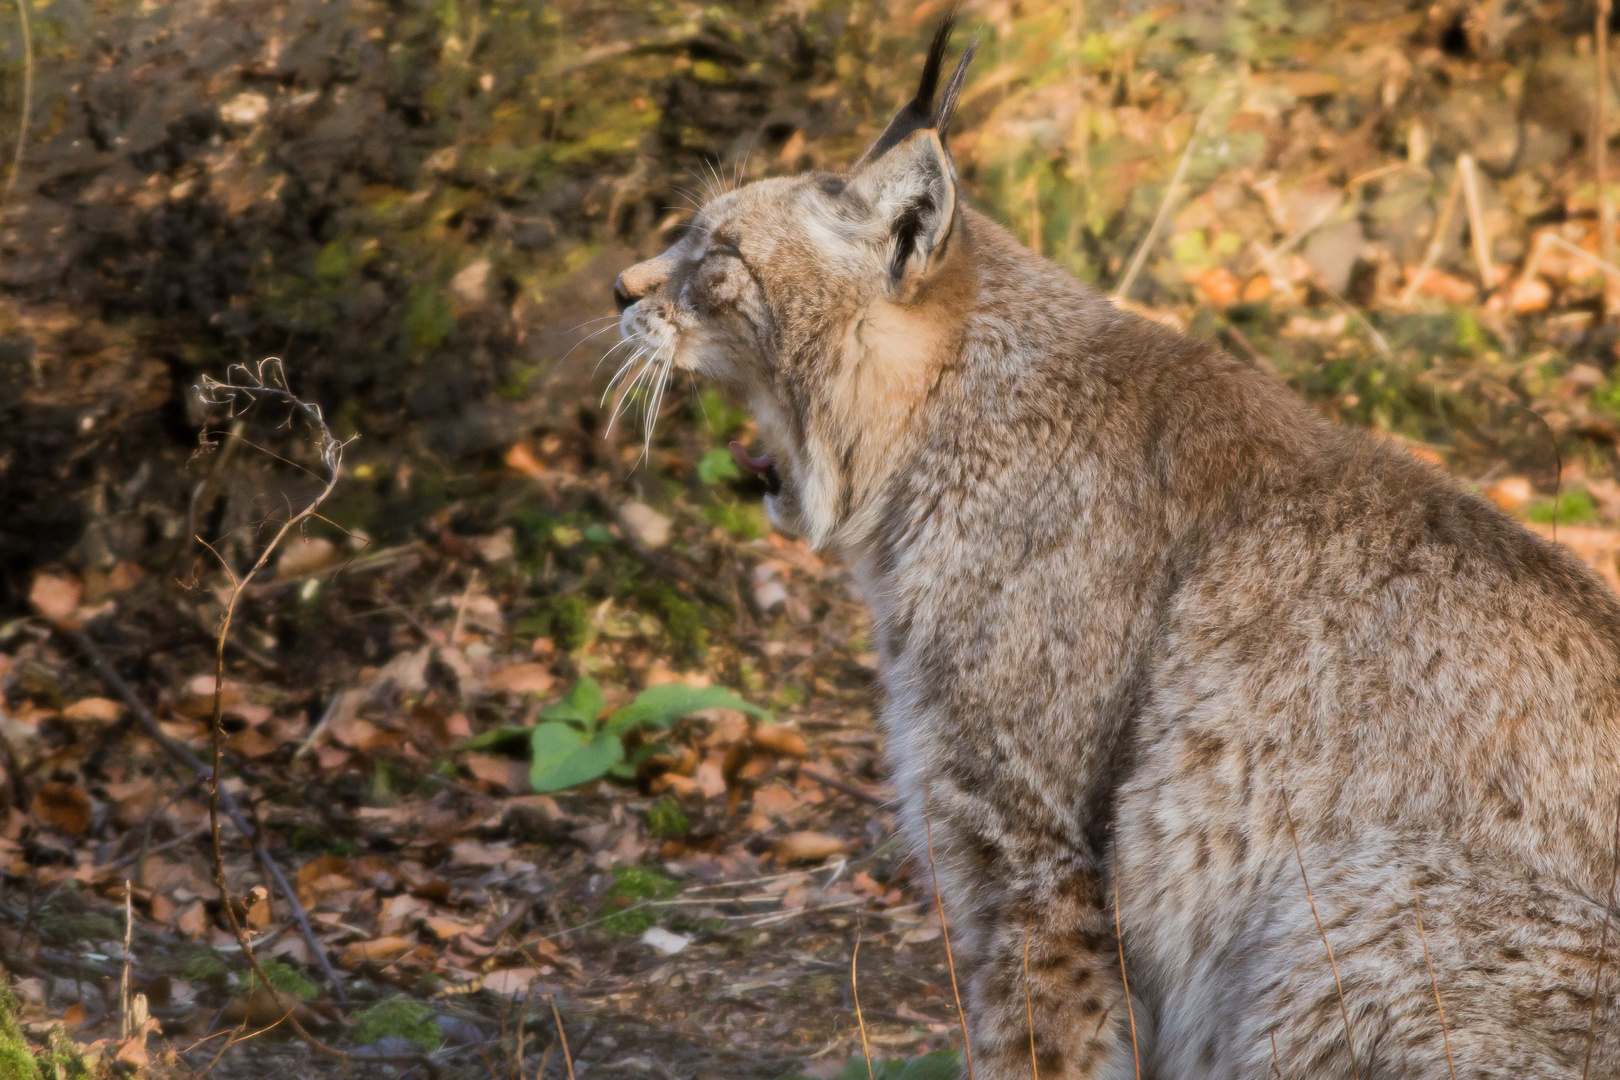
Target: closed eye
column 729, row 250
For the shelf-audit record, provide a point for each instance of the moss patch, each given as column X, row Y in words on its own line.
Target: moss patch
column 633, row 885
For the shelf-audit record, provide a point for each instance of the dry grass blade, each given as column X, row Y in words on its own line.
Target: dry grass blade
column 1171, row 194
column 945, row 932
column 562, row 1036
column 1437, row 242
column 1349, row 1032
column 1417, row 905
column 855, row 989
column 1600, row 134
column 1603, row 941
column 1276, row 1065
column 1130, row 1010
column 1469, row 173
column 1029, row 1008
column 125, row 1001
column 27, row 101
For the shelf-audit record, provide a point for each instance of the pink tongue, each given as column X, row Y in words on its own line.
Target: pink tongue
column 755, row 465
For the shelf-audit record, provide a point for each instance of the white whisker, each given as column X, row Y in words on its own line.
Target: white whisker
column 660, row 381
column 638, row 353
column 623, row 343
column 630, row 388
column 594, row 333
column 588, row 322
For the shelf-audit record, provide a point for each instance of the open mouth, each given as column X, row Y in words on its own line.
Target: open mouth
column 763, row 467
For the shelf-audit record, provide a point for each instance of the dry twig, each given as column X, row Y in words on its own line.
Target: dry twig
column 179, row 752
column 1029, row 1009
column 267, row 382
column 1171, row 194
column 27, row 101
column 1469, row 175
column 562, row 1036
column 124, row 1002
column 1600, row 137
column 1437, row 241
column 855, row 989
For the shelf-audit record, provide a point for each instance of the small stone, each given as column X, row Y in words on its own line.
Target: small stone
column 458, row 1032
column 245, row 108
column 1510, row 492
column 471, row 284
column 664, row 941
column 650, row 527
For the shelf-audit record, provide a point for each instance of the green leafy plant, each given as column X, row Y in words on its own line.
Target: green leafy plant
column 718, row 465
column 1571, row 507
column 401, row 1017
column 574, row 743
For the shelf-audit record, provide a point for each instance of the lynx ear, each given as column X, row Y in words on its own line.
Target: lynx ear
column 912, row 192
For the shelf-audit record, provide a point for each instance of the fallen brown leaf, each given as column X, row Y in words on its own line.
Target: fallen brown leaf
column 306, row 555
column 56, row 597
column 93, row 710
column 383, row 949
column 1510, row 492
column 806, row 847
column 64, row 805
column 511, row 982
column 778, row 739
column 525, row 678
column 265, row 1006
column 1218, row 287
column 520, row 459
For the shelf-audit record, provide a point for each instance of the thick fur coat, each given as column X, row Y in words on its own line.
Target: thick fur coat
column 1155, row 635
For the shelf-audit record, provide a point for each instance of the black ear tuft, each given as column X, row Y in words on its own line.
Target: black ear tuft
column 919, row 112
column 953, row 90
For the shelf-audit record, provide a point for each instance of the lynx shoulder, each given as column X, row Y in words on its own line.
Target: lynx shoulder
column 1160, row 646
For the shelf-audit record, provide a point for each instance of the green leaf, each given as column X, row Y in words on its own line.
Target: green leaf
column 561, row 757
column 660, row 706
column 582, row 705
column 718, row 465
column 552, row 743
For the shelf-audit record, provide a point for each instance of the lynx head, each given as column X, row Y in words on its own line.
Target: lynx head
column 827, row 303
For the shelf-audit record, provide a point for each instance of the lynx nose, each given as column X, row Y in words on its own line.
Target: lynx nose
column 641, row 280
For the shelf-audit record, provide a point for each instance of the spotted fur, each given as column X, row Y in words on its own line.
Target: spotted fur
column 1143, row 618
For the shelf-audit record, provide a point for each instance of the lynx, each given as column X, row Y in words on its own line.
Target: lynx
column 1163, row 650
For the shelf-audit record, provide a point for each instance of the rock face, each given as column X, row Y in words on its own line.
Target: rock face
column 416, row 215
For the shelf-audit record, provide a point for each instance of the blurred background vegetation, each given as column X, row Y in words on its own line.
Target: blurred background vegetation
column 420, row 205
